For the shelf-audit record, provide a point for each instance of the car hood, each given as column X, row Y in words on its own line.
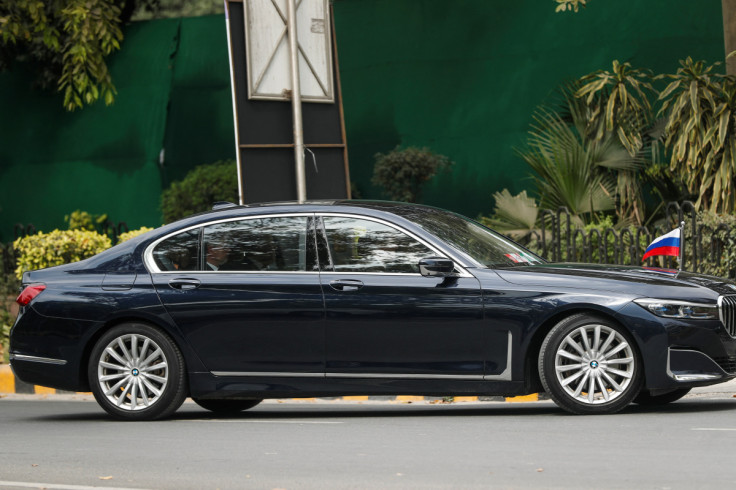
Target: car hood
column 631, row 280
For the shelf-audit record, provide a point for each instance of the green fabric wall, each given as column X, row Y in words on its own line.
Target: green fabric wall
column 464, row 77
column 173, row 85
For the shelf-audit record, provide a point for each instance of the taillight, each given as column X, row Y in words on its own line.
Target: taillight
column 30, row 292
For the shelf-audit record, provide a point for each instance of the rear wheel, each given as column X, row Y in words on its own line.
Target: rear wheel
column 589, row 365
column 137, row 373
column 645, row 398
column 226, row 407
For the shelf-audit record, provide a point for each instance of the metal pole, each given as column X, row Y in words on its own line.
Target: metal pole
column 682, row 246
column 238, row 158
column 296, row 103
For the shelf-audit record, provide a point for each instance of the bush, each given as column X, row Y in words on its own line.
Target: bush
column 57, row 248
column 200, row 188
column 9, row 285
column 717, row 255
column 402, row 173
column 82, row 220
column 124, row 237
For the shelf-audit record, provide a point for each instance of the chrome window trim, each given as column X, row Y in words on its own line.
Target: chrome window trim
column 153, row 268
column 458, row 263
column 42, row 360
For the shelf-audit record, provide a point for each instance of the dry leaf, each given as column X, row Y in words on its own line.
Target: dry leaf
column 105, row 478
column 34, row 465
column 539, row 470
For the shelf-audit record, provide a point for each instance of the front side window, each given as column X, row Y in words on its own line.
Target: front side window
column 360, row 245
column 258, row 244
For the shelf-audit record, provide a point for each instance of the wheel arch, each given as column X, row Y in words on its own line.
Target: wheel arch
column 114, row 322
column 531, row 373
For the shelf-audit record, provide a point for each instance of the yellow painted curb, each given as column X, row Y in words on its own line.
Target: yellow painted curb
column 7, row 380
column 7, row 386
column 526, row 398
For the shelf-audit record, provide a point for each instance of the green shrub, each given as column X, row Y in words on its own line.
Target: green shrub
column 82, row 220
column 200, row 188
column 721, row 260
column 402, row 173
column 9, row 285
column 124, row 237
column 56, row 248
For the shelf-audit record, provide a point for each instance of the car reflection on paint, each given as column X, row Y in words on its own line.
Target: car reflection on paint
column 362, row 298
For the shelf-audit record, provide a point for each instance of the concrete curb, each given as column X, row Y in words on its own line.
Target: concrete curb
column 9, row 385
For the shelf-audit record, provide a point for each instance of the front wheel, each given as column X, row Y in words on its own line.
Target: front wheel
column 136, row 372
column 589, row 365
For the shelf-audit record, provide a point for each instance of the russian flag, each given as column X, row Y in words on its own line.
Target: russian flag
column 668, row 244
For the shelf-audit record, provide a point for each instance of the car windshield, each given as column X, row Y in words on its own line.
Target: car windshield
column 477, row 241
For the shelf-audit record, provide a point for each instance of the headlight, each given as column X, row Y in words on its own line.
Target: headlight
column 668, row 308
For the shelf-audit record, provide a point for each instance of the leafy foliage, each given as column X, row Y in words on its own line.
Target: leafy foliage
column 200, row 188
column 699, row 105
column 9, row 286
column 515, row 216
column 124, row 237
column 625, row 93
column 68, row 40
column 721, row 230
column 82, row 220
column 57, row 248
column 575, row 169
column 403, row 172
column 563, row 5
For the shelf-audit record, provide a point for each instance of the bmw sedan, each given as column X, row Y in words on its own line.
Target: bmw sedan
column 244, row 303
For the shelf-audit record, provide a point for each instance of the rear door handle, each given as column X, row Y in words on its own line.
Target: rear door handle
column 346, row 284
column 184, row 283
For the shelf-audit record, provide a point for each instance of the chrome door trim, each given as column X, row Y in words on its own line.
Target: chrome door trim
column 42, row 360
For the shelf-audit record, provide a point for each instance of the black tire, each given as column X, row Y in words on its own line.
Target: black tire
column 226, row 406
column 142, row 374
column 647, row 399
column 608, row 361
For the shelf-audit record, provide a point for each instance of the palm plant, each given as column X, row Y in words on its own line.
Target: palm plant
column 699, row 105
column 515, row 216
column 577, row 169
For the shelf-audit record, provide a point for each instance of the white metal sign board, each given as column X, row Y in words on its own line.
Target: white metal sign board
column 267, row 50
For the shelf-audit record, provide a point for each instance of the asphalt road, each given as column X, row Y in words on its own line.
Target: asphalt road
column 71, row 445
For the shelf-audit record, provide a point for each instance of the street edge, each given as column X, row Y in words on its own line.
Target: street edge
column 10, row 384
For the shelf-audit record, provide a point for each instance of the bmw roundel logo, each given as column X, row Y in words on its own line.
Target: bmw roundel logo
column 135, row 372
column 594, row 364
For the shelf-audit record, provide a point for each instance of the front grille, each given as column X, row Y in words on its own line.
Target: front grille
column 727, row 312
column 728, row 364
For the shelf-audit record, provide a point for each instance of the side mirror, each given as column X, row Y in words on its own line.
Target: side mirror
column 436, row 267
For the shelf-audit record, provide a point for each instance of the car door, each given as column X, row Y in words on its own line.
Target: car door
column 386, row 320
column 246, row 294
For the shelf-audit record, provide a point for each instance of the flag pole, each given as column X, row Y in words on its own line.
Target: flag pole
column 682, row 246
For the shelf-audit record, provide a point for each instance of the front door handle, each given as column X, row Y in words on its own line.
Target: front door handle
column 346, row 284
column 184, row 283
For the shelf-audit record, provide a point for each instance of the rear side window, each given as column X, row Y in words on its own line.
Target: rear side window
column 258, row 244
column 178, row 253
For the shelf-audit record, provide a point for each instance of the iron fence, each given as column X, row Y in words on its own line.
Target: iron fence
column 559, row 239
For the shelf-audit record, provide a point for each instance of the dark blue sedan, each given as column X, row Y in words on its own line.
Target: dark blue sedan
column 362, row 298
